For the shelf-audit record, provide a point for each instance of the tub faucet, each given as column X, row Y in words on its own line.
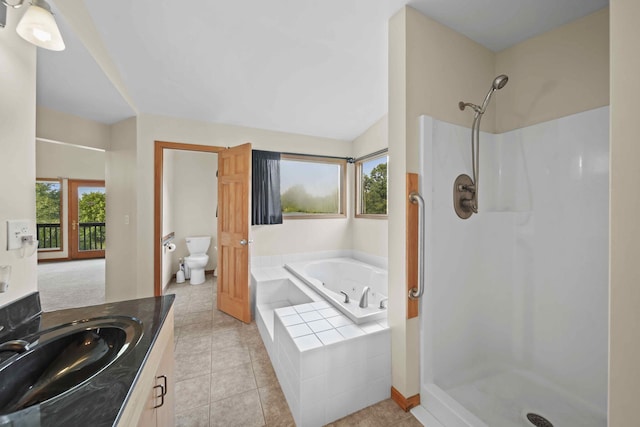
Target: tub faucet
column 364, row 299
column 346, row 297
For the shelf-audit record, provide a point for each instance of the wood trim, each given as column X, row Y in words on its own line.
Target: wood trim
column 343, row 184
column 62, row 227
column 406, row 403
column 158, row 158
column 357, row 196
column 412, row 245
column 72, row 188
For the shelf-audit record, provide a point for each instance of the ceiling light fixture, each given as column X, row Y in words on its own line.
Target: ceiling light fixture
column 38, row 26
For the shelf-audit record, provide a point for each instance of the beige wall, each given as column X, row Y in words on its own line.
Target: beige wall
column 194, row 200
column 555, row 74
column 17, row 144
column 60, row 160
column 311, row 235
column 56, row 126
column 64, row 161
column 431, row 69
column 624, row 293
column 370, row 235
column 122, row 214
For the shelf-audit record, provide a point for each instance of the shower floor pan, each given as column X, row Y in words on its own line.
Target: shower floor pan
column 504, row 400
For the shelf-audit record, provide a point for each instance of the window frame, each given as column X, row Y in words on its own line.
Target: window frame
column 60, row 248
column 359, row 181
column 342, row 187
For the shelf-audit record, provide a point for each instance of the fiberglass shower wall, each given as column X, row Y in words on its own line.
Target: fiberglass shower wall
column 522, row 285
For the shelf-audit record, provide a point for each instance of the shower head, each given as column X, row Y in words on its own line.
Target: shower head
column 500, row 81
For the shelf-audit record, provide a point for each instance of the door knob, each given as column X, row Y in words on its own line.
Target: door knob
column 245, row 242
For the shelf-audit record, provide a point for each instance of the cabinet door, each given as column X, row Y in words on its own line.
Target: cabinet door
column 148, row 416
column 166, row 378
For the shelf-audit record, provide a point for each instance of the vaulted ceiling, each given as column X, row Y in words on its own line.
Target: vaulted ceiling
column 310, row 67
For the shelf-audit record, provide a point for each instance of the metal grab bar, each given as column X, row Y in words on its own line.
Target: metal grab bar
column 415, row 293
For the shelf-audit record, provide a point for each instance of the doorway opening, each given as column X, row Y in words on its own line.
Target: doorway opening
column 233, row 204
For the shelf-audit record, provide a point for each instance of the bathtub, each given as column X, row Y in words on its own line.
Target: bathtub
column 331, row 276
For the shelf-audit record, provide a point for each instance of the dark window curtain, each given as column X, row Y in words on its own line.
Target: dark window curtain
column 265, row 201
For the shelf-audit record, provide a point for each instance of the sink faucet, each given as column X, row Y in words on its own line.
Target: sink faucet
column 382, row 305
column 364, row 299
column 17, row 346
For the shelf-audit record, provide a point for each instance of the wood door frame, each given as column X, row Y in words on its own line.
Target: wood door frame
column 73, row 207
column 158, row 167
column 63, row 229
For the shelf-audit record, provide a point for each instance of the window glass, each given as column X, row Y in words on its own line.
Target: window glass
column 311, row 186
column 372, row 186
column 48, row 195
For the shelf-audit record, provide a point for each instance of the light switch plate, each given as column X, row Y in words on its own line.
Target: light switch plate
column 16, row 228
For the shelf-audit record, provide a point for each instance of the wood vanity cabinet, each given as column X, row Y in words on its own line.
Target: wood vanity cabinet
column 152, row 400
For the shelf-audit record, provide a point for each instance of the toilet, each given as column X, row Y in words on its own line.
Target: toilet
column 198, row 258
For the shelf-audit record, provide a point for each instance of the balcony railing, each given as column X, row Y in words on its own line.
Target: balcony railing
column 49, row 236
column 91, row 236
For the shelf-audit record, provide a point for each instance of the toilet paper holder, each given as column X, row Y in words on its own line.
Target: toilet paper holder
column 167, row 242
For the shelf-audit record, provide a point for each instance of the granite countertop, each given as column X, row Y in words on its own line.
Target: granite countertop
column 100, row 401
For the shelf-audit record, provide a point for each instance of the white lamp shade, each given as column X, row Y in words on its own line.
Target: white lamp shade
column 38, row 26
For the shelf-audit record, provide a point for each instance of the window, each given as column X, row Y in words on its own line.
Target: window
column 312, row 187
column 48, row 213
column 371, row 186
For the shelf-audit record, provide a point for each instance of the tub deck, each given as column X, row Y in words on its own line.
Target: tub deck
column 327, row 365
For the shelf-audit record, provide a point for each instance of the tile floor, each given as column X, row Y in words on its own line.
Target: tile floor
column 224, row 376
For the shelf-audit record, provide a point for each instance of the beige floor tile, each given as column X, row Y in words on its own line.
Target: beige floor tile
column 229, row 357
column 198, row 417
column 258, row 353
column 226, row 338
column 232, row 381
column 192, row 317
column 197, row 329
column 243, row 410
column 239, row 379
column 274, row 407
column 192, row 365
column 264, row 373
column 222, row 321
column 192, row 345
column 192, row 393
column 388, row 412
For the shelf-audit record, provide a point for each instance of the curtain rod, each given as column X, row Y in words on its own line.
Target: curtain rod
column 348, row 159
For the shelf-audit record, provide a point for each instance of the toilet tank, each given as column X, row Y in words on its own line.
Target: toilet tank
column 198, row 244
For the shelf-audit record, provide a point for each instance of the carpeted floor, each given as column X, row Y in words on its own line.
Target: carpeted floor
column 71, row 284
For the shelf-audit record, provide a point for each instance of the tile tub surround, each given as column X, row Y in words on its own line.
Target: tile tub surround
column 328, row 367
column 100, row 400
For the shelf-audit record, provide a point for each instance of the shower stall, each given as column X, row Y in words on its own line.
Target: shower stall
column 514, row 317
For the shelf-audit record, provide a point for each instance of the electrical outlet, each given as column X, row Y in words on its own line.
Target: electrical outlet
column 16, row 228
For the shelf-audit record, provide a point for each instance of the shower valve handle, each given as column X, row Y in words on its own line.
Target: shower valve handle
column 470, row 188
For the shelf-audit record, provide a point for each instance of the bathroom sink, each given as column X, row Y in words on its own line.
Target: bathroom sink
column 60, row 359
